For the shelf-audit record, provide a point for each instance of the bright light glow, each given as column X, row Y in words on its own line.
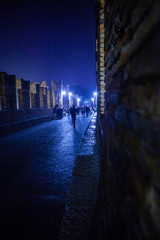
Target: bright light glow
column 63, row 93
column 78, row 99
column 92, row 99
column 95, row 93
column 70, row 94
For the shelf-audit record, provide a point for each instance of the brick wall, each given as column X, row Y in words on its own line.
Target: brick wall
column 20, row 99
column 130, row 127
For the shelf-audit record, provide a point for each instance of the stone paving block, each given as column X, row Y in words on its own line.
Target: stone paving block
column 88, row 144
column 86, row 149
column 90, row 141
column 76, row 223
column 86, row 166
column 82, row 192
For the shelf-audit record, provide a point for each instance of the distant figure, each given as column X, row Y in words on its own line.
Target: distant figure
column 59, row 113
column 83, row 111
column 87, row 111
column 78, row 109
column 55, row 112
column 73, row 112
column 55, row 109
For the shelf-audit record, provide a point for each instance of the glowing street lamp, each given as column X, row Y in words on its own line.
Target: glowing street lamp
column 92, row 99
column 69, row 94
column 78, row 100
column 63, row 93
column 95, row 94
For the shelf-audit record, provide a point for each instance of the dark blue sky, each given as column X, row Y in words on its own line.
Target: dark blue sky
column 48, row 40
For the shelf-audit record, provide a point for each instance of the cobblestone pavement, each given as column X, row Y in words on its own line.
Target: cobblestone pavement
column 35, row 173
column 81, row 201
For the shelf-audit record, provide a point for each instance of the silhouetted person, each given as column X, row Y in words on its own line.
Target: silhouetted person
column 55, row 109
column 59, row 113
column 73, row 112
column 78, row 109
column 87, row 111
column 83, row 111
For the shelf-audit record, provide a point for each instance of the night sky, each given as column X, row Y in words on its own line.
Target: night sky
column 48, row 40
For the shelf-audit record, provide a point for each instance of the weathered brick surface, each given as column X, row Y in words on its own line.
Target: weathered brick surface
column 130, row 128
column 20, row 115
column 20, row 100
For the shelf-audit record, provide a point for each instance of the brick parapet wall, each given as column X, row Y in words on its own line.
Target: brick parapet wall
column 130, row 129
column 19, row 115
column 20, row 100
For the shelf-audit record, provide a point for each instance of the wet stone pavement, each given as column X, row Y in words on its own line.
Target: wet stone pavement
column 35, row 173
column 80, row 208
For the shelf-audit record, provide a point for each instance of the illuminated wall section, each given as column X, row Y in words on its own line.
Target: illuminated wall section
column 44, row 86
column 41, row 97
column 100, row 70
column 19, row 94
column 54, row 99
column 54, row 89
column 32, row 95
column 48, row 98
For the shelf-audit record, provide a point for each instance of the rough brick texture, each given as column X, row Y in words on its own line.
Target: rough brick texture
column 16, row 96
column 130, row 127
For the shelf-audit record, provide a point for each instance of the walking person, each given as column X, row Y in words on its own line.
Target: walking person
column 73, row 112
column 83, row 111
column 78, row 110
column 87, row 111
column 55, row 112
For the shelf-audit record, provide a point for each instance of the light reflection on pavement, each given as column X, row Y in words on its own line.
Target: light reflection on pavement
column 35, row 172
